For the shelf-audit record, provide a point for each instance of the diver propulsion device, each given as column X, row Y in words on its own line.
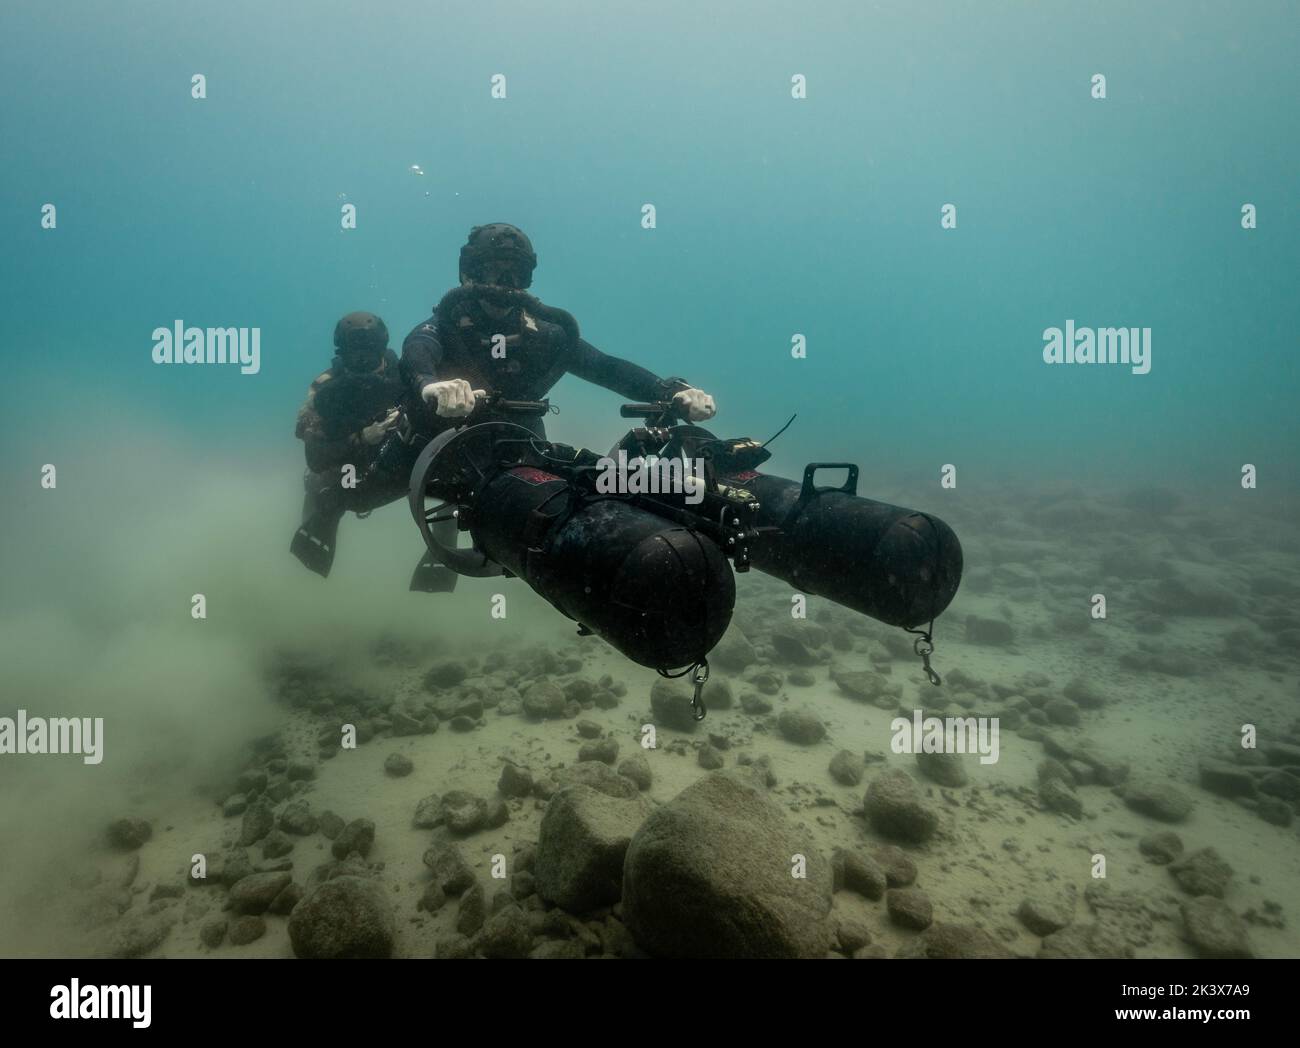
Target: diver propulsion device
column 651, row 571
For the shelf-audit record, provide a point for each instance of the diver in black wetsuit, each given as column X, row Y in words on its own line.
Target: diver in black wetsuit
column 490, row 336
column 350, row 411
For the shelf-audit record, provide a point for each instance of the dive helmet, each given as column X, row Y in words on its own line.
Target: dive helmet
column 497, row 254
column 361, row 339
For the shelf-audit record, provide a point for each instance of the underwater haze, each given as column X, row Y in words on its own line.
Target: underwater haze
column 916, row 227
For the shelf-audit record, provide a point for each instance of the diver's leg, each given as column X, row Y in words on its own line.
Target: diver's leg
column 432, row 577
column 316, row 539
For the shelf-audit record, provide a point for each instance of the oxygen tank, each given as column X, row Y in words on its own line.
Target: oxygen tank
column 660, row 593
column 899, row 566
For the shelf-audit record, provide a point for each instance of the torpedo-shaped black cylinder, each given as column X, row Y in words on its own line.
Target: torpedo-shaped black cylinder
column 660, row 593
column 896, row 565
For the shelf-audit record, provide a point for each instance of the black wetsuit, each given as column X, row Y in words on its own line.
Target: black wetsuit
column 340, row 405
column 542, row 345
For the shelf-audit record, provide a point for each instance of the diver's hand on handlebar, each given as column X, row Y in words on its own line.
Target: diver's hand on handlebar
column 455, row 398
column 689, row 405
column 694, row 404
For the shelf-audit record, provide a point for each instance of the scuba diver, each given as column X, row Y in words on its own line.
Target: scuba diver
column 490, row 342
column 490, row 337
column 350, row 409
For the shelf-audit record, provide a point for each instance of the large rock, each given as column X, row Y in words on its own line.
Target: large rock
column 515, row 781
column 357, row 836
column 846, row 768
column 853, row 871
column 733, row 652
column 543, row 700
column 601, row 778
column 505, row 935
column 947, row 769
column 860, row 684
column 255, row 893
column 900, row 871
column 798, row 643
column 345, row 917
column 1062, row 711
column 136, row 934
column 583, row 838
column 801, row 727
column 1109, row 772
column 1202, row 873
column 1057, row 795
column 1158, row 801
column 895, row 809
column 452, row 874
column 1082, row 692
column 244, row 930
column 1044, row 916
column 259, row 820
column 670, row 704
column 1281, row 753
column 1162, row 847
column 129, row 834
column 1281, row 784
column 603, row 750
column 909, row 908
column 298, row 819
column 1214, row 930
column 1227, row 780
column 445, row 675
column 709, row 875
column 464, row 813
column 637, row 769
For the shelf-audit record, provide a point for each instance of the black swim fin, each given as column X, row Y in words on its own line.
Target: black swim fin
column 429, row 577
column 314, row 543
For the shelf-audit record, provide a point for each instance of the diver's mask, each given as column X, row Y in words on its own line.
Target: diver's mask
column 360, row 360
column 360, row 340
column 511, row 270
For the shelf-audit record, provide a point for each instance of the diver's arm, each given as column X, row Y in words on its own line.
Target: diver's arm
column 622, row 376
column 421, row 357
column 322, row 452
column 446, row 395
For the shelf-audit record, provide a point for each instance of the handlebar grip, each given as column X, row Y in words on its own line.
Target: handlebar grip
column 659, row 407
column 522, row 407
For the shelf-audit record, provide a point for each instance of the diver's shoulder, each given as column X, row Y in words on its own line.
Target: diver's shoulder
column 425, row 331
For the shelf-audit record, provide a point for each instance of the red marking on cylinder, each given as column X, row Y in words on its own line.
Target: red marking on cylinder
column 533, row 475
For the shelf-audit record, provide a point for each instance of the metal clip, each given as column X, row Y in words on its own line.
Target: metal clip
column 700, row 678
column 924, row 647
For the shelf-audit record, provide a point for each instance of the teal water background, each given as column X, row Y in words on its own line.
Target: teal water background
column 775, row 216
